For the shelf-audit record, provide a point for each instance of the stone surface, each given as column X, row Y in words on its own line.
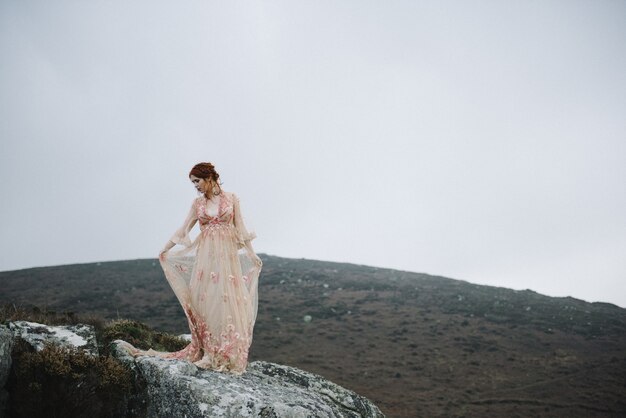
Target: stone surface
column 80, row 335
column 177, row 388
column 6, row 344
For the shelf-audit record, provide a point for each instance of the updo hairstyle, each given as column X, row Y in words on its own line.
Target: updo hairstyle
column 207, row 171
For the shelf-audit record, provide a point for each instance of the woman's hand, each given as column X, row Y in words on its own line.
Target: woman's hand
column 255, row 258
column 168, row 246
column 252, row 255
column 162, row 255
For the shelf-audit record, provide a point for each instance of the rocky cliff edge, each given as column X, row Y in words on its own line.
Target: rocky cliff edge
column 177, row 388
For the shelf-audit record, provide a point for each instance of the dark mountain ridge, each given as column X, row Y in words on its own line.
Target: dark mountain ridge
column 416, row 344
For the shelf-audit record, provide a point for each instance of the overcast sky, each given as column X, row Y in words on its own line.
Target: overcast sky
column 478, row 140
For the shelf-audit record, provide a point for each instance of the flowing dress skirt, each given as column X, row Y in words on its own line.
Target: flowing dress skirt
column 216, row 282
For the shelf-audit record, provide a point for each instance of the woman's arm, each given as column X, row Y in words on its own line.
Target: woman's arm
column 181, row 236
column 244, row 236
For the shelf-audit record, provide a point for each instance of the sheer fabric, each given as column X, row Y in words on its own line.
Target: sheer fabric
column 215, row 279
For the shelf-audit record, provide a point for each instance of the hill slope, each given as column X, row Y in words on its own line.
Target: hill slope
column 417, row 345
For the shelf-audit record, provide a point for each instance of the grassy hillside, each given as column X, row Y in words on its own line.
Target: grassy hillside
column 417, row 345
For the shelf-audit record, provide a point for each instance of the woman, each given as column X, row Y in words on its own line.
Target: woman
column 215, row 278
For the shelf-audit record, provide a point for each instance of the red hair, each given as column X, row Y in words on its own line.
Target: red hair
column 206, row 171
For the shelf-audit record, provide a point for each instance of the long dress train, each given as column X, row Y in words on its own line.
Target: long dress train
column 215, row 279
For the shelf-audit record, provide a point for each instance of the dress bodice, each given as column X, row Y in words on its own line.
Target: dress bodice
column 223, row 214
column 209, row 212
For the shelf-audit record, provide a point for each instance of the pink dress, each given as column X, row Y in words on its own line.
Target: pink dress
column 215, row 278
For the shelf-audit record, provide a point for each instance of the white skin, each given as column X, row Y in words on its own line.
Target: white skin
column 205, row 186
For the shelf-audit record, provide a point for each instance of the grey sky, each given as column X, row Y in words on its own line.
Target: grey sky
column 479, row 140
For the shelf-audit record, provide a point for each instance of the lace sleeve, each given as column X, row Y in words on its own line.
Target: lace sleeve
column 181, row 236
column 243, row 235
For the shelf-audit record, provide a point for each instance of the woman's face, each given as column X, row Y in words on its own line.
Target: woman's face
column 201, row 185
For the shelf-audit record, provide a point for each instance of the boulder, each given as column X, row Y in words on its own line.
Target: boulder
column 6, row 345
column 80, row 335
column 177, row 388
